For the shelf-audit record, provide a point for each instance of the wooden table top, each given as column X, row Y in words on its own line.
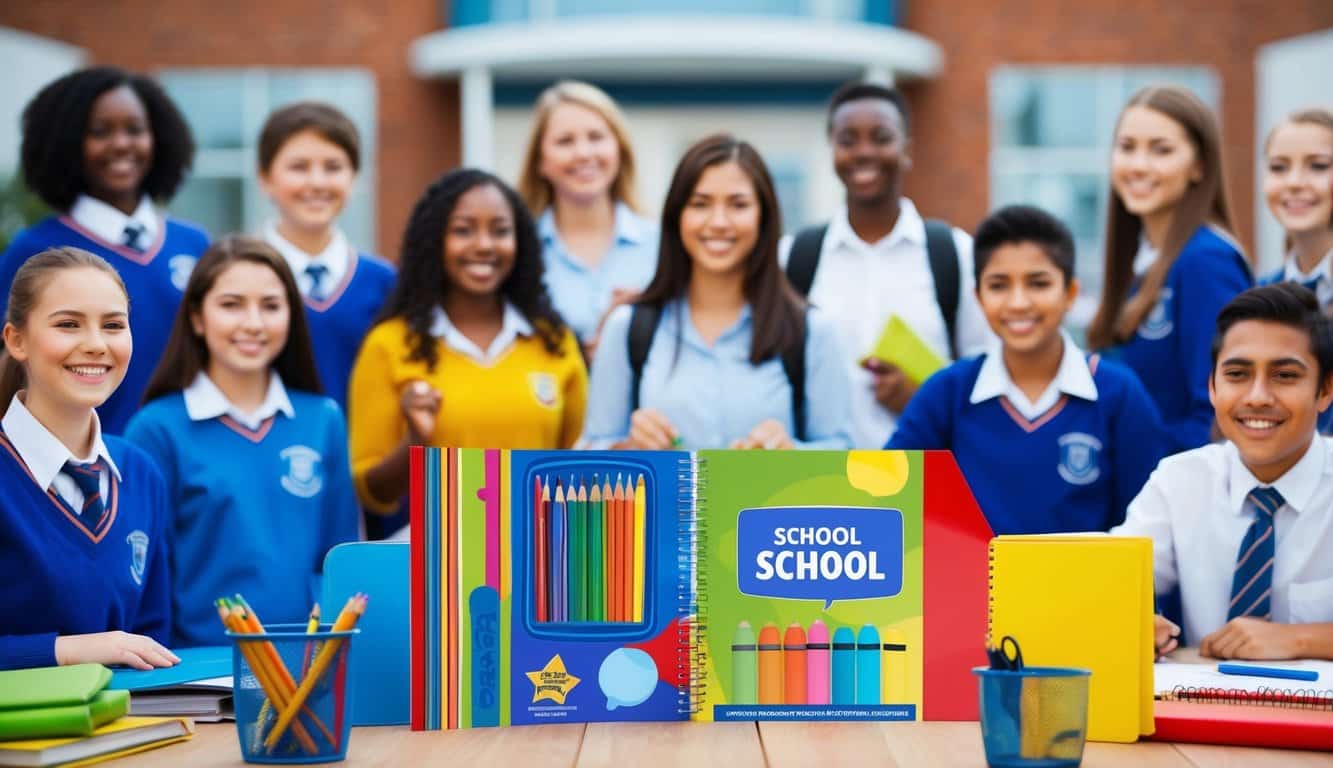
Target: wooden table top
column 734, row 745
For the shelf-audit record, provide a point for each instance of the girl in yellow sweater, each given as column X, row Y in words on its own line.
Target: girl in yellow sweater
column 469, row 351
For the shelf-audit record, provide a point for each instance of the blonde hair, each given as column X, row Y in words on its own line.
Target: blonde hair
column 535, row 190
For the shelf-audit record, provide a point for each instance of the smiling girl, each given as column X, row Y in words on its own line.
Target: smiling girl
column 101, row 146
column 1172, row 261
column 83, row 547
column 1298, row 186
column 254, row 457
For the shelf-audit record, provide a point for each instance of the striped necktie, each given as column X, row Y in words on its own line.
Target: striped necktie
column 316, row 273
column 88, row 477
column 1252, row 584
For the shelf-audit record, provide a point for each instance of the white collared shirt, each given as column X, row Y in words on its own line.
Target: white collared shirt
column 335, row 257
column 108, row 222
column 203, row 401
column 1072, row 378
column 1323, row 272
column 1193, row 507
column 45, row 455
column 858, row 285
column 513, row 326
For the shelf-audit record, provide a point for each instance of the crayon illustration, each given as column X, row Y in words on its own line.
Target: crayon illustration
column 793, row 665
column 894, row 671
column 867, row 665
column 770, row 665
column 844, row 666
column 744, row 669
column 817, row 664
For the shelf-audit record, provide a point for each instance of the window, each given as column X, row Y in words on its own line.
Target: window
column 1051, row 131
column 226, row 109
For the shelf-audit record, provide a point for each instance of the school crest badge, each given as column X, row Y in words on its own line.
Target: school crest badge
column 181, row 265
column 544, row 388
column 1158, row 325
column 138, row 541
column 303, row 477
column 1080, row 458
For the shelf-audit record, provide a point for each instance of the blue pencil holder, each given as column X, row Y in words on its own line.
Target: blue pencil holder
column 1034, row 716
column 272, row 668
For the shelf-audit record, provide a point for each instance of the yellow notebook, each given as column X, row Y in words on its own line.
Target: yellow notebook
column 125, row 736
column 899, row 344
column 1082, row 600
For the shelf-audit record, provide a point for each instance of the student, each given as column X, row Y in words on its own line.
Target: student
column 877, row 257
column 719, row 351
column 1244, row 527
column 254, row 457
column 83, row 545
column 578, row 178
column 1050, row 439
column 100, row 146
column 1171, row 259
column 309, row 156
column 469, row 352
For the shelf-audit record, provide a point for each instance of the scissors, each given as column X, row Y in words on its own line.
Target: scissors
column 1007, row 655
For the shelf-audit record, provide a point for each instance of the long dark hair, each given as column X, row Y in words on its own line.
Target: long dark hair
column 24, row 293
column 423, row 283
column 186, row 353
column 1204, row 201
column 776, row 311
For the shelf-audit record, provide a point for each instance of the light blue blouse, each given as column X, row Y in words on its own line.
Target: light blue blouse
column 581, row 293
column 713, row 395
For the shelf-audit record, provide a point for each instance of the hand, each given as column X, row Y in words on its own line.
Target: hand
column 1166, row 635
column 650, row 430
column 768, row 435
column 1250, row 638
column 421, row 405
column 893, row 389
column 137, row 651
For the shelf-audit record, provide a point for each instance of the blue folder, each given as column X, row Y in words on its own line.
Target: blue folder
column 196, row 664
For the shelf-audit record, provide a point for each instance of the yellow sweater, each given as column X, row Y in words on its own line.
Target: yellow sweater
column 528, row 398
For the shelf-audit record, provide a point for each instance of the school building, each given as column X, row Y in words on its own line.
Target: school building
column 1012, row 100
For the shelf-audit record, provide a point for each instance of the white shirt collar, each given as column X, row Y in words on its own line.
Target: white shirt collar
column 203, row 401
column 513, row 326
column 1072, row 378
column 909, row 227
column 108, row 222
column 335, row 257
column 1323, row 270
column 44, row 454
column 1145, row 257
column 1297, row 486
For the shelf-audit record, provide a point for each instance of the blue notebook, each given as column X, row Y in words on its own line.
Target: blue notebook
column 379, row 666
column 196, row 664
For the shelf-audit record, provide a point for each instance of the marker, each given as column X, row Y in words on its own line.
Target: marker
column 867, row 665
column 893, row 670
column 770, row 665
column 844, row 666
column 1281, row 673
column 793, row 665
column 744, row 684
column 816, row 664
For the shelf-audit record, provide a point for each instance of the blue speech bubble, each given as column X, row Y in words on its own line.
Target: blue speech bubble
column 819, row 553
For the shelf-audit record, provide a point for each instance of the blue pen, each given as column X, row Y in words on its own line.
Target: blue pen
column 844, row 666
column 1254, row 670
column 867, row 665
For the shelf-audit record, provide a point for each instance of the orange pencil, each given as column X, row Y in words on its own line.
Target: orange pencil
column 793, row 665
column 347, row 619
column 258, row 668
column 273, row 663
column 770, row 665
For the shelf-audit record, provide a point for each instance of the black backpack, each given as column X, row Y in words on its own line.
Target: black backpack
column 804, row 260
column 643, row 321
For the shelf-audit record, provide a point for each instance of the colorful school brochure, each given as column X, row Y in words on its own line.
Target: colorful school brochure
column 900, row 345
column 582, row 586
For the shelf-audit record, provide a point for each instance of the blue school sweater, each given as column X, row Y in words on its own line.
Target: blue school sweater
column 1172, row 349
column 154, row 280
column 341, row 321
column 255, row 511
column 1075, row 468
column 59, row 578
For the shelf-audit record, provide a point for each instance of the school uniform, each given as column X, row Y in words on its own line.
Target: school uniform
column 713, row 394
column 343, row 291
column 154, row 255
column 1319, row 280
column 259, row 499
column 1203, row 517
column 1070, row 461
column 859, row 285
column 514, row 394
column 1171, row 352
column 582, row 294
column 83, row 549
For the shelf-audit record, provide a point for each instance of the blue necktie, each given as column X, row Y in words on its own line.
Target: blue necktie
column 1252, row 584
column 317, row 273
column 1312, row 283
column 133, row 235
column 88, row 478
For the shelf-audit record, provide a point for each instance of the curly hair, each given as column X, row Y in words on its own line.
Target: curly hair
column 423, row 283
column 56, row 121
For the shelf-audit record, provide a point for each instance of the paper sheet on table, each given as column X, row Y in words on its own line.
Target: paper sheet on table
column 1168, row 675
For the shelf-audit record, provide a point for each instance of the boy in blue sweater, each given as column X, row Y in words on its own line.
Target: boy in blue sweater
column 1049, row 439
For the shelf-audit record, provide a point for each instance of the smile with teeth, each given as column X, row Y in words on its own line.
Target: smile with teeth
column 1140, row 187
column 865, row 173
column 250, row 346
column 1020, row 325
column 481, row 270
column 718, row 244
column 88, row 371
column 1254, row 423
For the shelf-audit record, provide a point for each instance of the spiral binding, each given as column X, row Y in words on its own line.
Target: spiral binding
column 990, row 593
column 1287, row 698
column 691, row 586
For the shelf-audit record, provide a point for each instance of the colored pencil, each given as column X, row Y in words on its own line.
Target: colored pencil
column 596, row 554
column 311, row 627
column 351, row 613
column 559, row 553
column 618, row 574
column 584, row 555
column 640, row 546
column 258, row 659
column 540, row 548
column 608, row 539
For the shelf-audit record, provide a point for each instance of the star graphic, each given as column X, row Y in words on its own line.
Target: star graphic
column 552, row 681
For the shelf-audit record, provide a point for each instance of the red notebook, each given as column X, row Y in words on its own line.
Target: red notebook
column 1247, row 725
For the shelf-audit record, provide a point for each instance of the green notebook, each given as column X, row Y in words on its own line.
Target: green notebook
column 900, row 345
column 51, row 686
column 64, row 720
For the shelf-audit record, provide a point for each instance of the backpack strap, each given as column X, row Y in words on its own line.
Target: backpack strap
column 804, row 258
column 943, row 258
column 793, row 364
column 643, row 320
